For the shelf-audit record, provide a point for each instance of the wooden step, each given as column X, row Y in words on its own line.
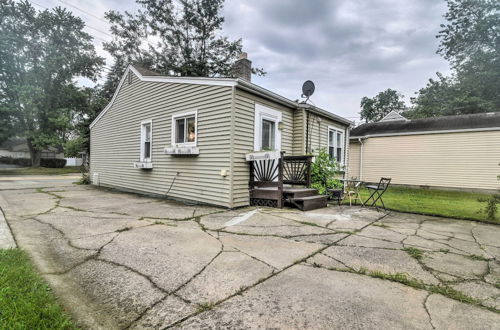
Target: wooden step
column 311, row 202
column 299, row 192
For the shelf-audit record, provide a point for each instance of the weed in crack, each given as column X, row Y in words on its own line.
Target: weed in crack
column 414, row 252
column 203, row 307
column 123, row 229
column 476, row 257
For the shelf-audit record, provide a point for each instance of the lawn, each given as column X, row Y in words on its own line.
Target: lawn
column 39, row 170
column 452, row 204
column 26, row 302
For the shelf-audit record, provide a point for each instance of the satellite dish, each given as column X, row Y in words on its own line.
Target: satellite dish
column 307, row 89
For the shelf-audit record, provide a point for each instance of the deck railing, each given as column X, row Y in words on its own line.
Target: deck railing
column 274, row 173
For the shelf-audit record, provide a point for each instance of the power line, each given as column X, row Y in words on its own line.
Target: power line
column 83, row 11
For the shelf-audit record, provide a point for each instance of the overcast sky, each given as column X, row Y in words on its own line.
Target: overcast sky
column 349, row 48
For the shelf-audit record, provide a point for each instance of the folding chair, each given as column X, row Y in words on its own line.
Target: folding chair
column 378, row 190
column 351, row 190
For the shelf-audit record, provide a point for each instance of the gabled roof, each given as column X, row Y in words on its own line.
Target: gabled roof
column 459, row 123
column 393, row 116
column 147, row 75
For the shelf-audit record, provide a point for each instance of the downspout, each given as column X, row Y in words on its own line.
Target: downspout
column 360, row 140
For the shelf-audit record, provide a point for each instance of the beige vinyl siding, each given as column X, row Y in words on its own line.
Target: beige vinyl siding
column 318, row 131
column 115, row 141
column 354, row 159
column 299, row 139
column 456, row 160
column 243, row 139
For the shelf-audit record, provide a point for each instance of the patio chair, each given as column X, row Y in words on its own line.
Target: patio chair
column 377, row 190
column 351, row 191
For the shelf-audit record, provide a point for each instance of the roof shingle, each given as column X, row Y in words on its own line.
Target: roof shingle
column 447, row 123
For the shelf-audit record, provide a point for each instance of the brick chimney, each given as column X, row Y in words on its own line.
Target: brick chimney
column 243, row 67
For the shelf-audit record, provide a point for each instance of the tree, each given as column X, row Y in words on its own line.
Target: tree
column 41, row 53
column 173, row 38
column 376, row 108
column 446, row 96
column 470, row 40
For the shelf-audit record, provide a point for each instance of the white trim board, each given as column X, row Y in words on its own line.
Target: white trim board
column 173, row 130
column 485, row 129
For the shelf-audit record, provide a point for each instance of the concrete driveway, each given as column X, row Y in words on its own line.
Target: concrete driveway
column 120, row 261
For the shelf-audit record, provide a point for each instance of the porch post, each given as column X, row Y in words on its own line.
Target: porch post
column 280, row 180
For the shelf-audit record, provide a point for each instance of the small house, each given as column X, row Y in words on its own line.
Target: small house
column 190, row 137
column 17, row 148
column 457, row 152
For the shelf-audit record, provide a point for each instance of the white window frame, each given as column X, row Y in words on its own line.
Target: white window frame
column 143, row 140
column 263, row 112
column 336, row 130
column 174, row 127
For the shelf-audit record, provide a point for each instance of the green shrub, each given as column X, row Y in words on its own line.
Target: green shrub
column 53, row 162
column 491, row 207
column 15, row 161
column 324, row 172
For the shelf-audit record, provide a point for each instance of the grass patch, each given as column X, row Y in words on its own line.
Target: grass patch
column 414, row 252
column 451, row 204
column 202, row 307
column 26, row 302
column 40, row 170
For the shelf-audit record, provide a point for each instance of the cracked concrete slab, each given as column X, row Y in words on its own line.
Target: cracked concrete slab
column 226, row 275
column 275, row 251
column 450, row 314
column 382, row 260
column 120, row 260
column 456, row 265
column 487, row 293
column 312, row 298
column 170, row 256
column 167, row 311
column 121, row 293
column 358, row 240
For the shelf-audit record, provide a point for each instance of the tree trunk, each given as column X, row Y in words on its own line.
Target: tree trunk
column 35, row 154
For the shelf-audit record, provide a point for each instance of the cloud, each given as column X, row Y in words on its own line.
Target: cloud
column 349, row 48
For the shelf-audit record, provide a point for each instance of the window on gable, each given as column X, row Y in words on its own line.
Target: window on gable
column 336, row 144
column 146, row 141
column 184, row 127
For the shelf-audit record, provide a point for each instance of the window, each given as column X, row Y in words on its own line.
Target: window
column 267, row 136
column 146, row 140
column 184, row 129
column 336, row 144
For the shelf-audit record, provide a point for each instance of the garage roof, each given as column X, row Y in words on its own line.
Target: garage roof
column 470, row 122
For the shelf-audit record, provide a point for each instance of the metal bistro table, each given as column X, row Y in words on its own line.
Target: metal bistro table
column 351, row 190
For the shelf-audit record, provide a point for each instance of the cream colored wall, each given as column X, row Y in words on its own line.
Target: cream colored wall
column 456, row 160
column 354, row 159
column 115, row 141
